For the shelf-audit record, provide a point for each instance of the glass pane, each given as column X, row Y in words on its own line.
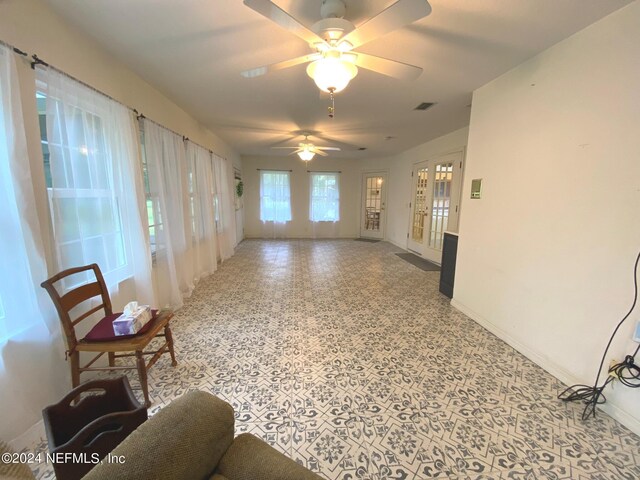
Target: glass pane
column 94, row 252
column 440, row 204
column 65, row 219
column 114, row 251
column 72, row 254
column 152, row 237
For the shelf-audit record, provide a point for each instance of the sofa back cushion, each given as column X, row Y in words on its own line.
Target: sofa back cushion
column 184, row 441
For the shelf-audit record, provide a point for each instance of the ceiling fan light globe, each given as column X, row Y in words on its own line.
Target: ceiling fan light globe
column 332, row 74
column 306, row 155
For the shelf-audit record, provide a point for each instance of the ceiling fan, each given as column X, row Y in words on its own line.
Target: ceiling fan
column 307, row 150
column 333, row 39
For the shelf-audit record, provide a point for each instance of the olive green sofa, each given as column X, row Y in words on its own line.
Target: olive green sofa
column 192, row 439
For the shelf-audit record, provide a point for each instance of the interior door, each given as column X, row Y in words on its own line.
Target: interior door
column 374, row 202
column 419, row 210
column 443, row 202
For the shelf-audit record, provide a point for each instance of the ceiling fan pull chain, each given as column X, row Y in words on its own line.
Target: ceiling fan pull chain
column 332, row 107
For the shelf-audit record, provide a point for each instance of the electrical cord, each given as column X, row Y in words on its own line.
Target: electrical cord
column 627, row 372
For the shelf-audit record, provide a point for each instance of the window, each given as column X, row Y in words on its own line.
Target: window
column 201, row 187
column 325, row 197
column 152, row 199
column 90, row 158
column 275, row 197
column 196, row 227
column 84, row 210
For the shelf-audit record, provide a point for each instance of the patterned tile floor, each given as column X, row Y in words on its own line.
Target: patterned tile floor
column 347, row 359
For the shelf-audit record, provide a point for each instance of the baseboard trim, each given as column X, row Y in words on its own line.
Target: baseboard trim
column 542, row 361
column 345, row 237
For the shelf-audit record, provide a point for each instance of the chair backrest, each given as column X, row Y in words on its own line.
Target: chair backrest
column 66, row 302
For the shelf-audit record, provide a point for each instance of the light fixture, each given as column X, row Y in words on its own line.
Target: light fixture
column 334, row 71
column 306, row 154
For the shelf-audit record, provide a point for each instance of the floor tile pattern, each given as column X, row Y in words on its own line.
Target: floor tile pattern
column 346, row 358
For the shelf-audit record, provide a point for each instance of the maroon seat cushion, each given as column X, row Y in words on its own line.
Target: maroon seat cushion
column 103, row 330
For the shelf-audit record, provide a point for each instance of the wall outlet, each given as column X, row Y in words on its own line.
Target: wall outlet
column 612, row 363
column 636, row 332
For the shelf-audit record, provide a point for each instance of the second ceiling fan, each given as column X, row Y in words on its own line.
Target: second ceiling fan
column 307, row 150
column 333, row 39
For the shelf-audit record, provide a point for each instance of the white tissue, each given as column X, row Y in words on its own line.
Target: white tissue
column 130, row 308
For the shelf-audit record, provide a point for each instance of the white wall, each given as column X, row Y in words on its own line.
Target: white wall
column 300, row 226
column 400, row 181
column 545, row 256
column 33, row 372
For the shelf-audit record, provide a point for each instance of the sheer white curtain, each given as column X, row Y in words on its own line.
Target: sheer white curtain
column 324, row 201
column 22, row 301
column 32, row 368
column 275, row 202
column 167, row 176
column 94, row 181
column 324, row 204
column 204, row 245
column 225, row 214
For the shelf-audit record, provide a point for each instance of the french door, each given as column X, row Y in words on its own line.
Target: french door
column 435, row 204
column 373, row 205
column 419, row 211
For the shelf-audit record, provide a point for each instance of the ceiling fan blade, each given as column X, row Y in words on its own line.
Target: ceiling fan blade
column 256, row 72
column 319, row 152
column 332, row 149
column 391, row 68
column 285, row 148
column 277, row 15
column 343, row 145
column 401, row 13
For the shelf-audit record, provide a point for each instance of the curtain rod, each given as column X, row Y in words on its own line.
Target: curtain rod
column 323, row 171
column 140, row 116
column 38, row 61
column 15, row 49
column 272, row 170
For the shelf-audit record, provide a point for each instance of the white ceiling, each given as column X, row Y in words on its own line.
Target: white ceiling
column 194, row 51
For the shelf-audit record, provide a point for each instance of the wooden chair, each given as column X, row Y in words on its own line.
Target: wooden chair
column 158, row 327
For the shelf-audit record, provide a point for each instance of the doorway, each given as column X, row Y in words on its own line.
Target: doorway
column 374, row 201
column 434, row 204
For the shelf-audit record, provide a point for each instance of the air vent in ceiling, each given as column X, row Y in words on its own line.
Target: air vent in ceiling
column 362, row 148
column 424, row 106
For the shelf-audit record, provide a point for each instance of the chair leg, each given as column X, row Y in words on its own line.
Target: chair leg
column 142, row 373
column 74, row 358
column 169, row 337
column 112, row 359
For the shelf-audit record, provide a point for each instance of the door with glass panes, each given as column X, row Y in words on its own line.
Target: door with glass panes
column 435, row 204
column 374, row 201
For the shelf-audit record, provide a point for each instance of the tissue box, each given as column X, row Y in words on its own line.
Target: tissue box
column 131, row 324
